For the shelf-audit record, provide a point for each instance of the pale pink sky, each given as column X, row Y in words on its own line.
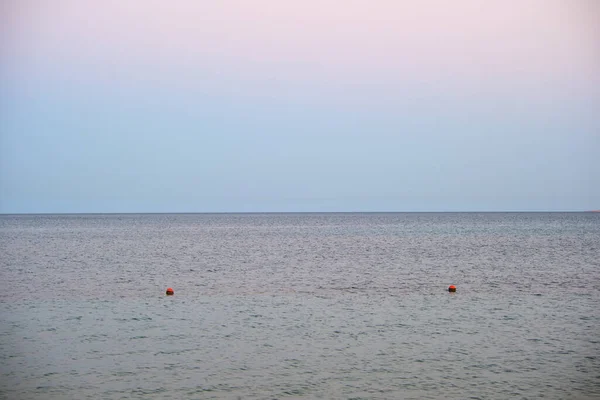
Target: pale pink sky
column 528, row 43
column 421, row 105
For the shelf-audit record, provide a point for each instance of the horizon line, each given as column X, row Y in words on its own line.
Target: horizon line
column 299, row 212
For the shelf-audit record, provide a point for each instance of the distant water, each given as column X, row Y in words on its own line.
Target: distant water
column 283, row 306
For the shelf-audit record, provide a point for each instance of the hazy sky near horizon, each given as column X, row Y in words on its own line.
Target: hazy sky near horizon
column 312, row 105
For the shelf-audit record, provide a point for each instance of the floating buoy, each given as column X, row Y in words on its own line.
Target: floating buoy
column 452, row 288
column 170, row 292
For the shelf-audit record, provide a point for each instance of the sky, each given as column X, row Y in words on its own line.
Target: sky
column 299, row 106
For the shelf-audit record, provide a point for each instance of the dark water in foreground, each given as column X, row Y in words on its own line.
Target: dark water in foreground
column 332, row 306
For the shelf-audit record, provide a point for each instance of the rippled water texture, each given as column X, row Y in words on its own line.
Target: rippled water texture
column 332, row 306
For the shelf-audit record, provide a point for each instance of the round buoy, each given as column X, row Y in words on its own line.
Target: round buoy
column 170, row 292
column 452, row 288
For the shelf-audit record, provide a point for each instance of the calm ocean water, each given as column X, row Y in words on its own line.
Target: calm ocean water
column 270, row 306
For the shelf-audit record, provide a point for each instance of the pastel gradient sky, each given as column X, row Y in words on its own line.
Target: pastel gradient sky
column 313, row 105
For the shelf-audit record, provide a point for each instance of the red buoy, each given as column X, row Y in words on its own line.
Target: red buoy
column 452, row 288
column 170, row 292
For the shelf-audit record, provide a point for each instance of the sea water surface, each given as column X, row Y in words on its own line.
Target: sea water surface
column 282, row 306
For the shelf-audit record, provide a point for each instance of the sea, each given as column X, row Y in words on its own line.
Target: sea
column 289, row 306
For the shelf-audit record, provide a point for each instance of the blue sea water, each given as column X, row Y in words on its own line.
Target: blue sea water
column 270, row 306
